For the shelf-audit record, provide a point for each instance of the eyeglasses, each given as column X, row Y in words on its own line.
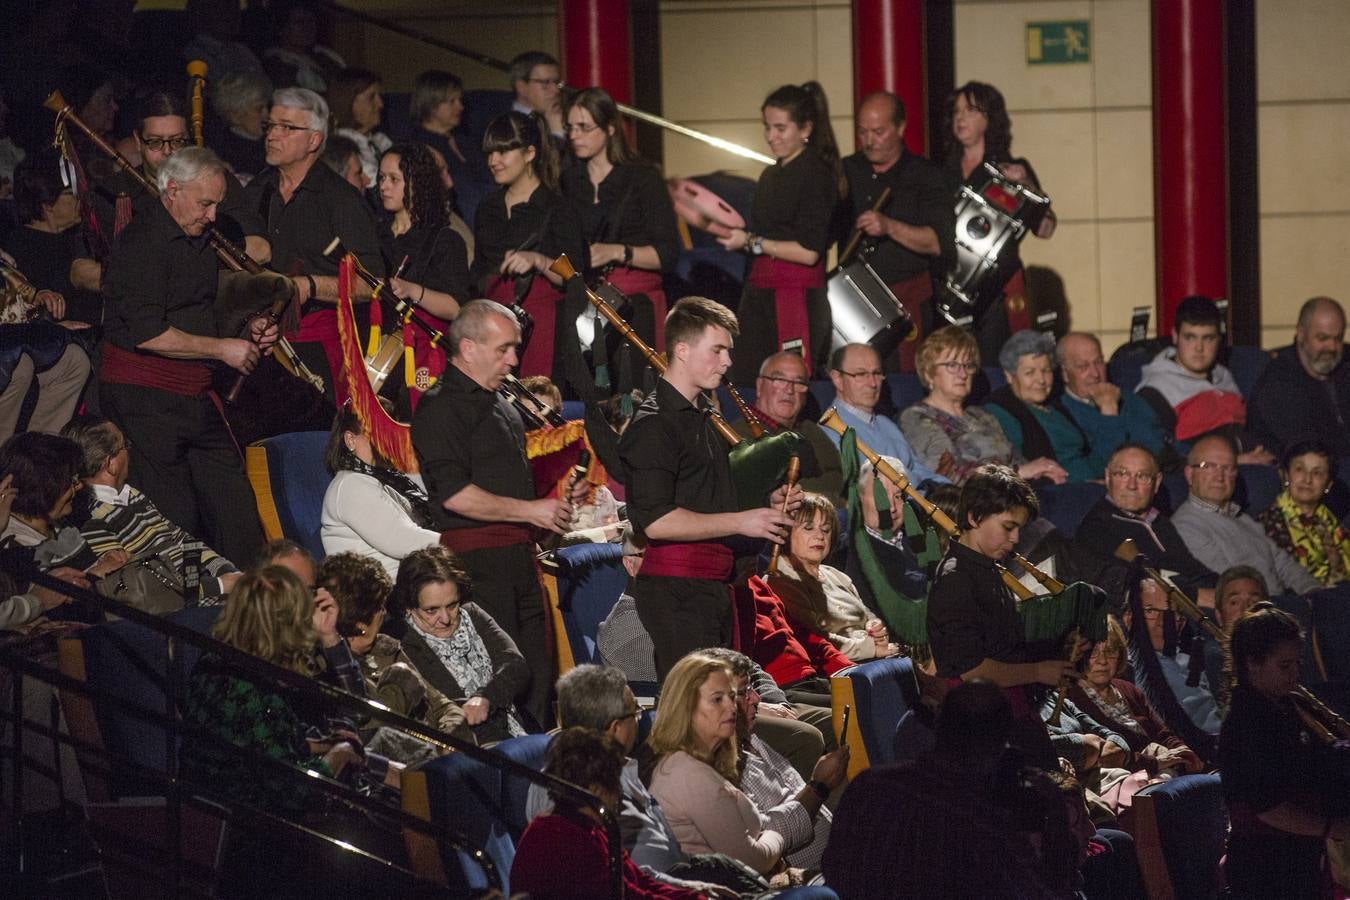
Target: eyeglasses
column 450, row 610
column 544, row 82
column 797, row 385
column 954, row 366
column 269, row 127
column 634, row 713
column 1100, row 652
column 1127, row 475
column 157, row 144
column 870, row 373
column 1221, row 468
column 1152, row 612
column 579, row 128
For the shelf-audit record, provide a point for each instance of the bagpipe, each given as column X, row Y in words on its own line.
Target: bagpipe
column 758, row 465
column 281, row 309
column 1063, row 614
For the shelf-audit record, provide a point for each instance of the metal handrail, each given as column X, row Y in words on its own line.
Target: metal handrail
column 306, row 687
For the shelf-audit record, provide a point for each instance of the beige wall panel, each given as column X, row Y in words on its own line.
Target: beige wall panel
column 1301, row 257
column 1303, row 163
column 991, row 46
column 1060, row 147
column 1124, row 169
column 834, row 65
column 1114, row 340
column 1072, row 254
column 1274, row 338
column 1121, row 53
column 686, row 156
column 1300, row 49
column 1126, row 265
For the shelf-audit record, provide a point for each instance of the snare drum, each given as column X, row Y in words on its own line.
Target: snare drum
column 864, row 311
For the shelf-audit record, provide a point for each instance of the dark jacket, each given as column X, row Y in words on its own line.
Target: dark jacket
column 1288, row 405
column 1150, row 728
column 1106, row 526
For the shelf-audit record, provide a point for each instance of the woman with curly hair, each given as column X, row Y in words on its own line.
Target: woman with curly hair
column 978, row 130
column 435, row 278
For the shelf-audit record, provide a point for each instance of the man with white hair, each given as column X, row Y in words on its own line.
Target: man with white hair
column 305, row 205
column 161, row 347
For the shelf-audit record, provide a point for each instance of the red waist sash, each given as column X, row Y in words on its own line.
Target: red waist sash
column 320, row 327
column 185, row 377
column 707, row 560
column 500, row 534
column 789, row 282
column 640, row 281
column 542, row 305
column 912, row 294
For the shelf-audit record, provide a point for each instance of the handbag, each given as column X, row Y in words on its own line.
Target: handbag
column 147, row 583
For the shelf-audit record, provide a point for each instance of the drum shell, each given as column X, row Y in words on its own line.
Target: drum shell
column 863, row 310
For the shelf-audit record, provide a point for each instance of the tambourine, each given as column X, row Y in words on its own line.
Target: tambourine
column 702, row 209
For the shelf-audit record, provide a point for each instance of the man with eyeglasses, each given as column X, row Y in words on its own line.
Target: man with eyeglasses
column 780, row 396
column 536, row 79
column 161, row 131
column 855, row 370
column 1105, row 416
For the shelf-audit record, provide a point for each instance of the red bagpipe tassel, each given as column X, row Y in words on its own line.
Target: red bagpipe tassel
column 390, row 437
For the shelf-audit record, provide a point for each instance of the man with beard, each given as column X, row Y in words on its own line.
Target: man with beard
column 1305, row 391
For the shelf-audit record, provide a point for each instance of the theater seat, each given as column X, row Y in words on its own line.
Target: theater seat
column 1179, row 832
column 289, row 480
column 1066, row 504
column 879, row 692
column 822, row 393
column 905, row 388
column 590, row 579
column 462, row 795
column 528, row 750
column 1247, row 364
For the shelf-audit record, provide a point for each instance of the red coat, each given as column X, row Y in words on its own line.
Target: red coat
column 787, row 651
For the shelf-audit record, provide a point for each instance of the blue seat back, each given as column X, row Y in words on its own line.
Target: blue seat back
column 573, row 410
column 905, row 388
column 1247, row 364
column 298, row 481
column 131, row 661
column 528, row 750
column 1255, row 491
column 466, row 795
column 883, row 691
column 1184, row 821
column 590, row 580
column 912, row 738
column 822, row 392
column 1066, row 504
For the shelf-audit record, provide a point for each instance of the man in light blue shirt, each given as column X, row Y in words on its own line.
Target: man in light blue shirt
column 858, row 380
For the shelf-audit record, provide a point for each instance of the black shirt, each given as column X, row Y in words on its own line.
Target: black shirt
column 324, row 206
column 466, row 435
column 1106, row 526
column 44, row 259
column 234, row 218
column 545, row 223
column 1288, row 405
column 972, row 616
column 156, row 278
column 437, row 259
column 795, row 201
column 633, row 208
column 920, row 196
column 674, row 458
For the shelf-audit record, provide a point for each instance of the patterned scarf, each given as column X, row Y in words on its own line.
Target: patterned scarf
column 1316, row 539
column 419, row 506
column 466, row 658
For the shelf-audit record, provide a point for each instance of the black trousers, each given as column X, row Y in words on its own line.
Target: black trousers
column 682, row 615
column 183, row 459
column 505, row 584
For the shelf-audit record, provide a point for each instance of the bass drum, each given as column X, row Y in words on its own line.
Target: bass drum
column 864, row 311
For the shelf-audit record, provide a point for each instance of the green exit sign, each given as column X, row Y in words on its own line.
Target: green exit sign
column 1059, row 42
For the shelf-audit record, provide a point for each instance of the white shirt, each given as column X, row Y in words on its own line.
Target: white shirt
column 363, row 516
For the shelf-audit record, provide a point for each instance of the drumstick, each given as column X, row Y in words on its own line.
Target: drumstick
column 852, row 244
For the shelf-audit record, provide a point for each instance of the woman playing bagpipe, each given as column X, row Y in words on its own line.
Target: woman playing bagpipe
column 784, row 306
column 521, row 228
column 1285, row 763
column 420, row 245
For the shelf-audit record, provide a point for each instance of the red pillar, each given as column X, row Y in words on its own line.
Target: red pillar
column 596, row 46
column 888, row 55
column 1190, row 180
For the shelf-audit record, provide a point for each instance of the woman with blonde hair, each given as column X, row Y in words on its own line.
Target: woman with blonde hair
column 950, row 436
column 693, row 769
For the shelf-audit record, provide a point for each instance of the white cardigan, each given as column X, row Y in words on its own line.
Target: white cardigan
column 361, row 515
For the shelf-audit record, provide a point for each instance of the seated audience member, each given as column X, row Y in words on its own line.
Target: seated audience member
column 536, row 78
column 1304, row 394
column 792, row 806
column 974, row 628
column 370, row 507
column 361, row 588
column 799, row 660
column 21, row 603
column 437, row 109
column 1163, row 627
column 1128, row 512
column 1106, row 417
column 855, row 370
column 1299, row 523
column 780, row 396
column 246, row 730
column 457, row 646
column 693, row 770
column 1098, row 754
column 1239, row 589
column 821, row 597
column 1285, row 789
column 122, row 518
column 1191, row 392
column 1120, row 706
column 946, row 825
column 355, row 101
column 598, row 699
column 1034, row 426
column 241, row 101
column 545, row 391
column 343, row 156
column 49, row 247
column 944, row 431
column 575, row 834
column 296, row 59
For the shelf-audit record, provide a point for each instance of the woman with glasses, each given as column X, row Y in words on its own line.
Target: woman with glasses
column 948, row 435
column 457, row 647
column 783, row 306
column 521, row 228
column 1035, row 424
column 625, row 209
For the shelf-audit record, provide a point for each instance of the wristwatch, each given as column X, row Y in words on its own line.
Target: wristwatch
column 756, row 244
column 627, row 254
